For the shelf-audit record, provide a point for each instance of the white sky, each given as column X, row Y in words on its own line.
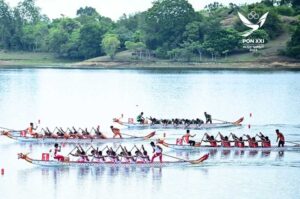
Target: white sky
column 109, row 8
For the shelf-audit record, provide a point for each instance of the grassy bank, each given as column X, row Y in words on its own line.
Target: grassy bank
column 20, row 58
column 267, row 60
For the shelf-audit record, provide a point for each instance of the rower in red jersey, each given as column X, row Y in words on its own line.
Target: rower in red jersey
column 280, row 137
column 238, row 142
column 186, row 138
column 224, row 140
column 265, row 142
column 211, row 140
column 252, row 141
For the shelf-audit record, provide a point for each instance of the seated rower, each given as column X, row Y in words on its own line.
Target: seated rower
column 65, row 134
column 252, row 142
column 99, row 134
column 126, row 155
column 112, row 155
column 46, row 133
column 86, row 134
column 116, row 132
column 187, row 136
column 157, row 152
column 211, row 140
column 265, row 142
column 31, row 130
column 97, row 156
column 241, row 143
column 55, row 152
column 140, row 118
column 236, row 139
column 224, row 140
column 50, row 134
column 81, row 154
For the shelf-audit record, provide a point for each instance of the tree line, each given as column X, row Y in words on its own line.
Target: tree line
column 170, row 29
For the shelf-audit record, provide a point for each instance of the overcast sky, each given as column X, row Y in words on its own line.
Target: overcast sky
column 109, row 8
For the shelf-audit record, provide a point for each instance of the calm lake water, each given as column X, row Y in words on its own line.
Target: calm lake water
column 86, row 98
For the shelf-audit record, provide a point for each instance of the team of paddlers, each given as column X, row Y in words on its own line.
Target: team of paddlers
column 80, row 133
column 108, row 154
column 174, row 121
column 224, row 141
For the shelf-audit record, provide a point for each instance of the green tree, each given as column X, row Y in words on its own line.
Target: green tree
column 6, row 25
column 165, row 23
column 293, row 46
column 110, row 43
column 222, row 41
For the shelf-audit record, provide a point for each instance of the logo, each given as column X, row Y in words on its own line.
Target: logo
column 254, row 27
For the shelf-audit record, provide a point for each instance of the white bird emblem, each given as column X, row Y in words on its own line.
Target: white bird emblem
column 249, row 24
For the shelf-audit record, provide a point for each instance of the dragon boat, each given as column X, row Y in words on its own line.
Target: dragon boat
column 67, row 163
column 186, row 147
column 134, row 125
column 26, row 139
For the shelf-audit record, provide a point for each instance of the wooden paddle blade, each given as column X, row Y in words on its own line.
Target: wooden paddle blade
column 150, row 135
column 239, row 121
column 162, row 142
column 203, row 158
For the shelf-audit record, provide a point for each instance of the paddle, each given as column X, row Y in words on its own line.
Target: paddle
column 198, row 161
column 297, row 144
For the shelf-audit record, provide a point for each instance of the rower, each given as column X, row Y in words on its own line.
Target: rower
column 187, row 136
column 265, row 142
column 211, row 140
column 207, row 117
column 112, row 155
column 157, row 150
column 97, row 156
column 252, row 142
column 280, row 137
column 116, row 132
column 81, row 154
column 236, row 139
column 241, row 143
column 56, row 156
column 224, row 140
column 140, row 118
column 31, row 130
column 99, row 134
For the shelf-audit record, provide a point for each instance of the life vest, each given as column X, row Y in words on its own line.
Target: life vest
column 225, row 143
column 266, row 143
column 213, row 143
column 241, row 144
column 253, row 144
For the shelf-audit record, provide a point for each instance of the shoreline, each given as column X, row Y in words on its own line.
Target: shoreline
column 247, row 65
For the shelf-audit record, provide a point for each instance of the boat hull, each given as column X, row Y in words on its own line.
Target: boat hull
column 171, row 126
column 15, row 136
column 208, row 148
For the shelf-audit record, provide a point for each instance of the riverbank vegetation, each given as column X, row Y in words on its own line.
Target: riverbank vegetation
column 170, row 30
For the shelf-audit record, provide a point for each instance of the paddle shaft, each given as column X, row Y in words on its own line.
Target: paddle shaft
column 176, row 158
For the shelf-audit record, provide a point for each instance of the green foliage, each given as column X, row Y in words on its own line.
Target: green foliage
column 166, row 21
column 293, row 47
column 285, row 10
column 110, row 43
column 261, row 34
column 222, row 42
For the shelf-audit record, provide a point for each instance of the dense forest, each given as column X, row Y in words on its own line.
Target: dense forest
column 170, row 29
